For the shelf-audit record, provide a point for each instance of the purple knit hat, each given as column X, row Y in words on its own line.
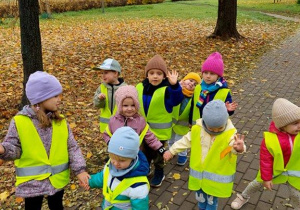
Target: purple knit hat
column 214, row 63
column 42, row 86
column 126, row 91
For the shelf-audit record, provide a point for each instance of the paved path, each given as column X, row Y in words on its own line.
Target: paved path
column 278, row 75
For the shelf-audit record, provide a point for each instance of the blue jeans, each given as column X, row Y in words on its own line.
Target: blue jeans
column 205, row 201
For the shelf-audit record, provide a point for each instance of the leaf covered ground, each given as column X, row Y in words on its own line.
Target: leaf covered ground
column 72, row 46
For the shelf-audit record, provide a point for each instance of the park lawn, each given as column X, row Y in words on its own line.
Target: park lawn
column 74, row 42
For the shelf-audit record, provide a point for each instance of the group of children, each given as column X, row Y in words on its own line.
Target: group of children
column 137, row 124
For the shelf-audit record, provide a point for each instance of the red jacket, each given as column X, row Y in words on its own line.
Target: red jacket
column 266, row 159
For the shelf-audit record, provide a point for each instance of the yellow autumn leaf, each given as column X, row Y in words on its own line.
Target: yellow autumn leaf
column 73, row 186
column 89, row 155
column 72, row 125
column 176, row 176
column 4, row 195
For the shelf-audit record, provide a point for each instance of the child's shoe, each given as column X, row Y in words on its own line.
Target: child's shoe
column 157, row 178
column 181, row 160
column 239, row 202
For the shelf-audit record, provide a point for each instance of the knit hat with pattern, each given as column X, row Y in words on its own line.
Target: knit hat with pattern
column 157, row 62
column 214, row 63
column 284, row 112
column 126, row 91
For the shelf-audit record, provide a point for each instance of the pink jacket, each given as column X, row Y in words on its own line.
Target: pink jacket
column 137, row 123
column 266, row 159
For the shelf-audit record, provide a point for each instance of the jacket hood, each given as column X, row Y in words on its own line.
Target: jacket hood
column 141, row 168
column 229, row 124
column 27, row 111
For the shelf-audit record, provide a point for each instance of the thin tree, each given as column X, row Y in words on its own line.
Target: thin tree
column 226, row 22
column 31, row 46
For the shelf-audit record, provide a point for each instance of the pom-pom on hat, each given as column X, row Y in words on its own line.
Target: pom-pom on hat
column 284, row 112
column 42, row 86
column 215, row 114
column 124, row 143
column 214, row 63
column 156, row 62
column 194, row 76
column 126, row 91
column 110, row 64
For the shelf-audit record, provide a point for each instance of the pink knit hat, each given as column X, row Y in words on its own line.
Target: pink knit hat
column 126, row 91
column 214, row 63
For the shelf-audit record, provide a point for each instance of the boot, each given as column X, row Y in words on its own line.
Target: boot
column 157, row 178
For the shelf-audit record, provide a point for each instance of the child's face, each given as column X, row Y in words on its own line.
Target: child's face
column 216, row 130
column 51, row 104
column 121, row 164
column 189, row 84
column 293, row 128
column 109, row 77
column 209, row 77
column 155, row 76
column 128, row 107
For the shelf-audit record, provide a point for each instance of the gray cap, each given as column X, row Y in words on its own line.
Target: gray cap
column 110, row 64
column 215, row 114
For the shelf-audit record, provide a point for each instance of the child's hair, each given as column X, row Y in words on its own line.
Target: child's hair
column 46, row 121
column 214, row 63
column 110, row 65
column 117, row 157
column 156, row 62
column 126, row 91
column 284, row 112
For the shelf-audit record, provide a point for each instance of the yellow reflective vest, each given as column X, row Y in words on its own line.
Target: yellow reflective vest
column 105, row 112
column 291, row 172
column 111, row 196
column 158, row 118
column 221, row 94
column 181, row 122
column 34, row 163
column 214, row 176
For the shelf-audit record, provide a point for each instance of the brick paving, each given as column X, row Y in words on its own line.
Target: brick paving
column 277, row 75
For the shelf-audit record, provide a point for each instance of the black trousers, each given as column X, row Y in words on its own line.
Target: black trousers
column 54, row 202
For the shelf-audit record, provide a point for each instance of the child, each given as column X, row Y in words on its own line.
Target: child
column 127, row 115
column 214, row 146
column 124, row 177
column 212, row 87
column 157, row 97
column 181, row 113
column 104, row 95
column 42, row 145
column 279, row 154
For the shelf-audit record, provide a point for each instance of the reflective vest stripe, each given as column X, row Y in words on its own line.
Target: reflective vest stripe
column 37, row 170
column 160, row 125
column 291, row 173
column 212, row 176
column 181, row 122
column 104, row 120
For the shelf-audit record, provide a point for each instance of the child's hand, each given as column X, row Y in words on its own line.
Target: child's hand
column 84, row 180
column 101, row 96
column 2, row 150
column 268, row 184
column 238, row 144
column 167, row 155
column 231, row 106
column 172, row 77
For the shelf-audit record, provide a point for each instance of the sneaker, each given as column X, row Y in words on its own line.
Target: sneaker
column 239, row 202
column 181, row 160
column 157, row 178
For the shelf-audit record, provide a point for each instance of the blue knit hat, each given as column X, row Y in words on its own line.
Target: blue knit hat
column 42, row 86
column 215, row 114
column 125, row 142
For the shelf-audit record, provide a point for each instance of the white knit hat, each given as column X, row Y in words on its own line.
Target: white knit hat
column 284, row 112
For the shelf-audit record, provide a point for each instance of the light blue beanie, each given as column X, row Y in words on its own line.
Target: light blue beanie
column 215, row 114
column 125, row 142
column 42, row 86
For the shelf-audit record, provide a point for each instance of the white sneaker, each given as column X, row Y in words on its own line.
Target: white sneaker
column 239, row 202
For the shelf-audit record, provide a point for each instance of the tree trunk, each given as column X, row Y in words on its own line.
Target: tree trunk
column 31, row 46
column 226, row 23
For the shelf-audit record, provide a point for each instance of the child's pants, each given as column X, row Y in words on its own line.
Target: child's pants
column 150, row 154
column 175, row 137
column 55, row 202
column 205, row 201
column 255, row 186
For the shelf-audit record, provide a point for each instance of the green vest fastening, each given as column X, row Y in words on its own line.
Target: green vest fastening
column 214, row 176
column 158, row 118
column 110, row 196
column 221, row 94
column 181, row 122
column 105, row 112
column 291, row 172
column 34, row 163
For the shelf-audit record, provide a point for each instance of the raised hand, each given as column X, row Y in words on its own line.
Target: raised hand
column 167, row 155
column 231, row 106
column 238, row 144
column 172, row 77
